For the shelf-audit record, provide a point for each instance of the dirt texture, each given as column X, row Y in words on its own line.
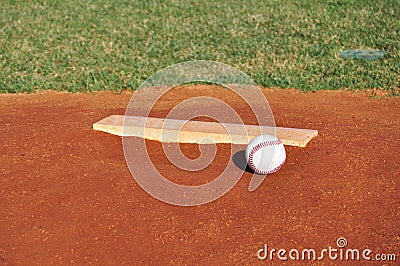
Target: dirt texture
column 67, row 195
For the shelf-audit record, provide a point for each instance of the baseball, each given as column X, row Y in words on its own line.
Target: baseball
column 265, row 154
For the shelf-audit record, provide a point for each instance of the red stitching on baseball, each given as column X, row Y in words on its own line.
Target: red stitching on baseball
column 257, row 148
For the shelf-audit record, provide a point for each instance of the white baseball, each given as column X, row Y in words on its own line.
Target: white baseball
column 265, row 154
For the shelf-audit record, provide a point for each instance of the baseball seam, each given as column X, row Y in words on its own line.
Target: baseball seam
column 258, row 147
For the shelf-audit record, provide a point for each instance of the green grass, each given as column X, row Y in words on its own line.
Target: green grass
column 117, row 44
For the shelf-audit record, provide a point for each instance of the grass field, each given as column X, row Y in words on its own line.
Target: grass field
column 100, row 45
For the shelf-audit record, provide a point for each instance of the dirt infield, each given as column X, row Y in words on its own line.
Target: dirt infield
column 68, row 196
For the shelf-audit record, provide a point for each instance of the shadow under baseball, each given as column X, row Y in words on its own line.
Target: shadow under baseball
column 239, row 159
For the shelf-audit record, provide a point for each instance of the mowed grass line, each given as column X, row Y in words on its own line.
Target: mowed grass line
column 115, row 45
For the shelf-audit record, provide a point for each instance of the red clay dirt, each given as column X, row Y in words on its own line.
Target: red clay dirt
column 67, row 195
